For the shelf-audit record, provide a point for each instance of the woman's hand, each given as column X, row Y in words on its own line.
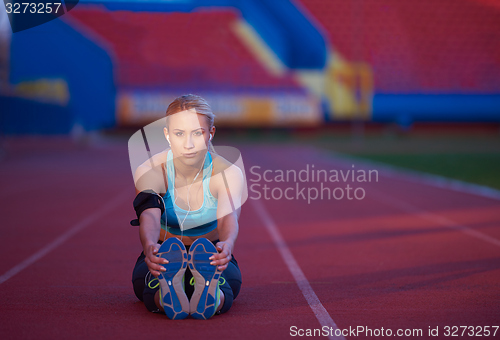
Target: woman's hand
column 154, row 262
column 221, row 259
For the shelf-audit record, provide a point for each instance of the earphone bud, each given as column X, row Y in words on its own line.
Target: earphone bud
column 211, row 136
column 168, row 139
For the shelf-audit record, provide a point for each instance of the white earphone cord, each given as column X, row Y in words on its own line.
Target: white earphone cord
column 189, row 206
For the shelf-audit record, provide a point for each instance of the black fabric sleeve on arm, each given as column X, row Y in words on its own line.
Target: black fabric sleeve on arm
column 144, row 200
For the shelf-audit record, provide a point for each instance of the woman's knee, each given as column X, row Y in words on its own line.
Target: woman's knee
column 138, row 285
column 232, row 275
column 235, row 285
column 149, row 296
column 231, row 286
column 228, row 297
column 138, row 278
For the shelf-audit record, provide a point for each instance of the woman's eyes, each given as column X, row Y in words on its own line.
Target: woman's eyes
column 198, row 133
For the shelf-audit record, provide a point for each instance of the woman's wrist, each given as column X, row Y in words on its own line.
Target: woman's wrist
column 147, row 242
column 146, row 247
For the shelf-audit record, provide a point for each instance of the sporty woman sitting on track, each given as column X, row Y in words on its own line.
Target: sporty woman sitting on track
column 188, row 203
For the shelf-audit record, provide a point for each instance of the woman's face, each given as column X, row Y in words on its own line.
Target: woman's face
column 188, row 133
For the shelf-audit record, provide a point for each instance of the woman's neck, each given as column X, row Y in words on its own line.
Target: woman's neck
column 188, row 172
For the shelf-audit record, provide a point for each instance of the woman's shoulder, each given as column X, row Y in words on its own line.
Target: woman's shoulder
column 228, row 178
column 149, row 175
column 152, row 164
column 221, row 164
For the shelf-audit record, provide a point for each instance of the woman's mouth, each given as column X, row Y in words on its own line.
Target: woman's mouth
column 189, row 155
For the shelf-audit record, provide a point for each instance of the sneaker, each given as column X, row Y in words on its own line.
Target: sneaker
column 217, row 299
column 206, row 295
column 172, row 294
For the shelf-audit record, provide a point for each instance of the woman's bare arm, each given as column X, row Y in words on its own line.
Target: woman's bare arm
column 148, row 178
column 230, row 189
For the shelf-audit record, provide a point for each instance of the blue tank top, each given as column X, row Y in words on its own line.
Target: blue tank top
column 196, row 222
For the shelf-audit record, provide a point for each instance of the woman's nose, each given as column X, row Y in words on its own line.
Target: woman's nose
column 188, row 143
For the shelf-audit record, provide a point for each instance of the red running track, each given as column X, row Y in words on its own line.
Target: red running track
column 407, row 256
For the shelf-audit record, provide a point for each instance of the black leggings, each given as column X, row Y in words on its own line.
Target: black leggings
column 141, row 277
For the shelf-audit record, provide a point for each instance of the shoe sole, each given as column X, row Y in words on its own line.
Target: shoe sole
column 172, row 294
column 206, row 276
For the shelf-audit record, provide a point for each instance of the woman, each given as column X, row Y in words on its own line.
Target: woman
column 188, row 203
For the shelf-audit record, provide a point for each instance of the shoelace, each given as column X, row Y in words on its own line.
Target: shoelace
column 157, row 284
column 192, row 281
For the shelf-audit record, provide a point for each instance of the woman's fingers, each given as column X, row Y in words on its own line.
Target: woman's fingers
column 219, row 256
column 153, row 261
column 222, row 258
column 154, row 264
column 155, row 267
column 220, row 246
column 224, row 266
column 154, row 273
column 152, row 252
column 157, row 259
column 224, row 262
column 221, row 262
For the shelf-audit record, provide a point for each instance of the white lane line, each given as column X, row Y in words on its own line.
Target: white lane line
column 304, row 286
column 64, row 237
column 434, row 218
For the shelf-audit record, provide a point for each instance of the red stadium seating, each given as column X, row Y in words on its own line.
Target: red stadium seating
column 424, row 46
column 182, row 50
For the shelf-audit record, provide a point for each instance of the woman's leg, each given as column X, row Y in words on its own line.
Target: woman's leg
column 150, row 296
column 231, row 286
column 141, row 278
column 138, row 276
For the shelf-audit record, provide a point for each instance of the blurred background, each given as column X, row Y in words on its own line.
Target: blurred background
column 340, row 84
column 410, row 83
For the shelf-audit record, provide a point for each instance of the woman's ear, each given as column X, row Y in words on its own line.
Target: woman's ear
column 165, row 132
column 212, row 133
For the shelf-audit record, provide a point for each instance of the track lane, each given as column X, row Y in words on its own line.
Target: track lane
column 82, row 288
column 368, row 262
column 386, row 267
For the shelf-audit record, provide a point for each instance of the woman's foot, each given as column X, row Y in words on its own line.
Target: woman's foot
column 206, row 299
column 172, row 296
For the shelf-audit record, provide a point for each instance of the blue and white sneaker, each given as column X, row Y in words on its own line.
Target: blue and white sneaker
column 206, row 295
column 172, row 294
